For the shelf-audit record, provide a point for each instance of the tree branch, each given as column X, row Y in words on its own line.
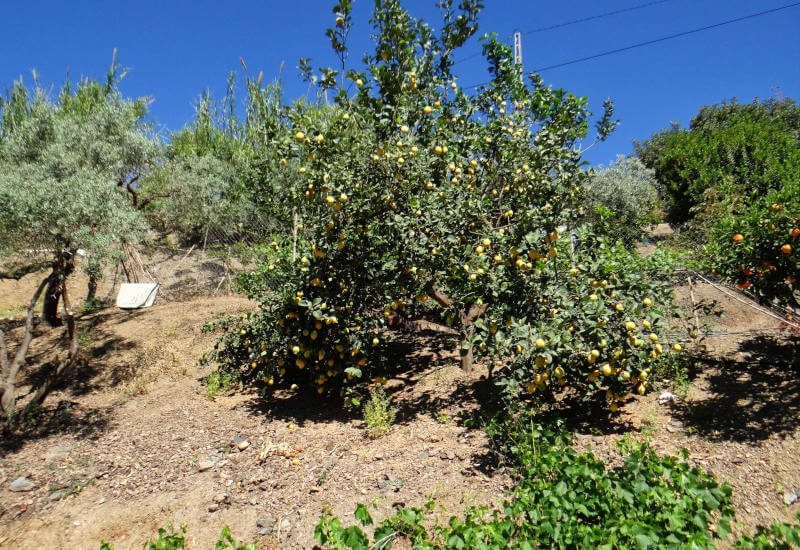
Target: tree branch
column 3, row 355
column 8, row 391
column 473, row 313
column 132, row 191
column 442, row 298
column 65, row 364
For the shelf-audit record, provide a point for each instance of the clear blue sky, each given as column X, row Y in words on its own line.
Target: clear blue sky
column 176, row 49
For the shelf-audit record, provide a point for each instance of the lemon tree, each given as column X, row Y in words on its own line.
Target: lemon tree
column 420, row 198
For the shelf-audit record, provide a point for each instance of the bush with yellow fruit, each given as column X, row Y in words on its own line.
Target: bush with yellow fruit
column 419, row 200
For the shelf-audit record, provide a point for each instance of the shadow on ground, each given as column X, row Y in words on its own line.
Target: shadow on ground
column 96, row 369
column 62, row 418
column 749, row 398
column 420, row 365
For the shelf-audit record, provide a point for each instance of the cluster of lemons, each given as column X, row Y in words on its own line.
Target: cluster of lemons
column 318, row 348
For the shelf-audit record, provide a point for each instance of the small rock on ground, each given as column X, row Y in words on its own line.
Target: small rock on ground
column 21, row 484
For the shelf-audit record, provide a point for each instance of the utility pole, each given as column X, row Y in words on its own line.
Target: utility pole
column 518, row 52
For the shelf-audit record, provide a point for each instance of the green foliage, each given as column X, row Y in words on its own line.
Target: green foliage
column 198, row 198
column 767, row 260
column 219, row 183
column 601, row 328
column 565, row 498
column 624, row 198
column 170, row 539
column 219, row 381
column 65, row 165
column 415, row 199
column 778, row 536
column 735, row 176
column 675, row 372
column 228, row 542
column 734, row 152
column 378, row 413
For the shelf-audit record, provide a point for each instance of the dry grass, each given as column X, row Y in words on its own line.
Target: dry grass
column 151, row 364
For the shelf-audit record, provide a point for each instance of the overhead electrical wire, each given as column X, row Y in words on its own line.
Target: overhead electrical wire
column 575, row 22
column 593, row 17
column 657, row 40
column 669, row 37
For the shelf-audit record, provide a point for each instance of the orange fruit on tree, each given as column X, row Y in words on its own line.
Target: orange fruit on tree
column 738, row 238
column 796, row 232
column 786, row 249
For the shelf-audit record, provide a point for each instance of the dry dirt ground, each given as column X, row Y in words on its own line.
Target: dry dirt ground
column 118, row 451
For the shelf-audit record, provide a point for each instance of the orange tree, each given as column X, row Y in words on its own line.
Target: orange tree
column 734, row 177
column 418, row 199
column 758, row 247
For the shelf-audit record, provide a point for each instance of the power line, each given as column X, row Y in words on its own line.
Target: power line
column 670, row 37
column 575, row 22
column 593, row 17
column 657, row 40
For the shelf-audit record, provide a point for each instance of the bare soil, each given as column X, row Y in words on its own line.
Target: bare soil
column 118, row 450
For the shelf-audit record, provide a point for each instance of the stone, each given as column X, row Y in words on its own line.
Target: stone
column 21, row 484
column 266, row 523
column 666, row 397
column 790, row 497
column 204, row 465
column 213, row 507
column 241, row 442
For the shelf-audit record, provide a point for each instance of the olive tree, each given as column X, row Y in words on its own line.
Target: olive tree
column 625, row 196
column 68, row 171
column 217, row 184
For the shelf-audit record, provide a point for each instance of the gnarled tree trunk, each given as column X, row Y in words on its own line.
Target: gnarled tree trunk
column 466, row 327
column 64, row 365
column 9, row 368
column 63, row 267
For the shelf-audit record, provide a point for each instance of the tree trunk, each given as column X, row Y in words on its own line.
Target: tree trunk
column 466, row 329
column 465, row 352
column 9, row 369
column 91, row 290
column 468, row 319
column 66, row 364
column 62, row 268
column 52, row 297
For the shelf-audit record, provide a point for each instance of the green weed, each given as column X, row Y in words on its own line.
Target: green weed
column 378, row 414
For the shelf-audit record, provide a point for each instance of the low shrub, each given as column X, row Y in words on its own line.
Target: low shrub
column 566, row 498
column 378, row 414
column 624, row 198
column 171, row 539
